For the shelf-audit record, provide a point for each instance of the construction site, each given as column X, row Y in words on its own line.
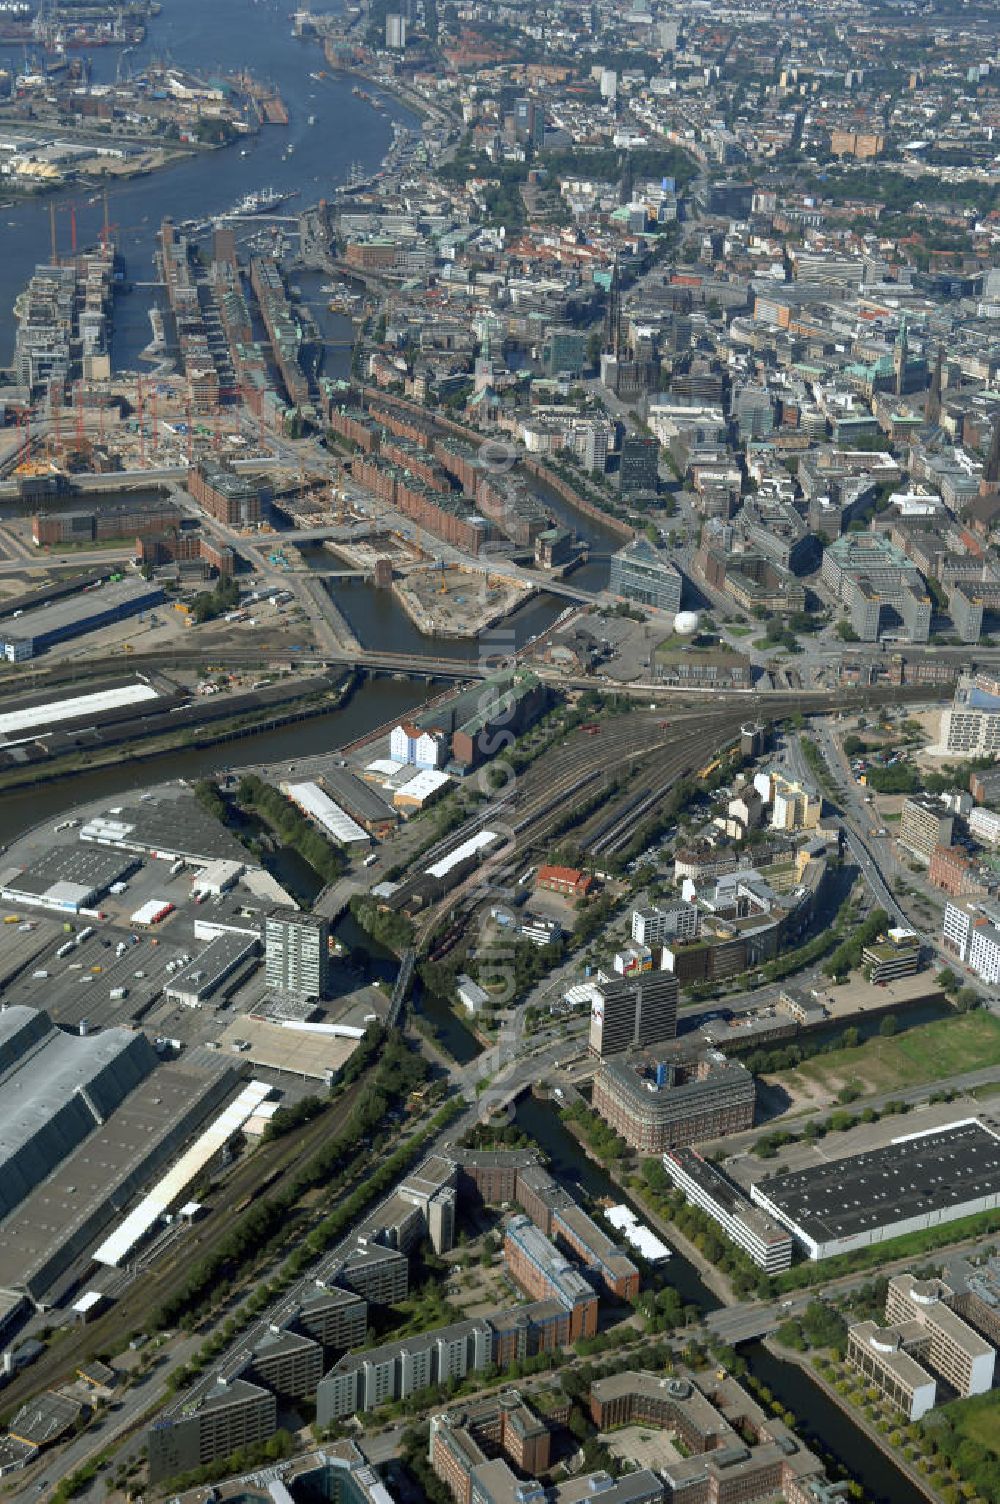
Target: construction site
column 450, row 600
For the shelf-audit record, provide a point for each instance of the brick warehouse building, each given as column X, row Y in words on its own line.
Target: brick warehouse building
column 236, row 500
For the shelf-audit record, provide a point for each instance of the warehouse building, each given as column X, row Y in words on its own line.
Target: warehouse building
column 765, row 1240
column 320, row 808
column 61, row 1217
column 923, row 1180
column 658, row 1104
column 166, row 829
column 32, row 633
column 203, row 977
column 56, row 1089
column 69, row 879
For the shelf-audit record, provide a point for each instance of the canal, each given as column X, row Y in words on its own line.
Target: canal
column 372, row 703
column 820, row 1422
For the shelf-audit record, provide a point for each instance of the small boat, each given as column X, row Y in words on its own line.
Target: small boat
column 311, row 120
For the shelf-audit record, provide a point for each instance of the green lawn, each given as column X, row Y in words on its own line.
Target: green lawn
column 978, row 1419
column 946, row 1047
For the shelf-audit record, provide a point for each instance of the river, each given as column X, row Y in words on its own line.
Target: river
column 372, row 703
column 222, row 36
column 820, row 1422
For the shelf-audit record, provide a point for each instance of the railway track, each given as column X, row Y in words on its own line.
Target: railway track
column 154, row 1285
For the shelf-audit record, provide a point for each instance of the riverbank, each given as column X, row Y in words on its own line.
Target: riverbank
column 186, row 738
column 712, row 1277
column 855, row 1417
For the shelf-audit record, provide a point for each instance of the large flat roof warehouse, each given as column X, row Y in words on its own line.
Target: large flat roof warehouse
column 312, row 801
column 75, row 707
column 71, row 1208
column 76, row 615
column 918, row 1181
column 57, row 1089
column 161, row 1198
column 168, row 827
column 471, row 847
column 70, row 878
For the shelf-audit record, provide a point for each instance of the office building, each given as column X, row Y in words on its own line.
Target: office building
column 924, row 822
column 643, row 574
column 546, row 1274
column 760, row 1236
column 655, row 925
column 922, row 1332
column 395, row 33
column 729, row 1450
column 297, row 954
column 225, row 1418
column 864, row 1199
column 657, row 1105
column 287, row 1362
column 971, row 724
column 984, row 824
column 332, row 1317
column 895, row 955
column 639, row 465
column 633, row 1013
column 461, row 1440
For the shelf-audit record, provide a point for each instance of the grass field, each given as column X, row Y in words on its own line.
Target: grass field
column 978, row 1419
column 946, row 1047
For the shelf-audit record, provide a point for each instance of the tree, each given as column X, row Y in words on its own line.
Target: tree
column 887, row 1027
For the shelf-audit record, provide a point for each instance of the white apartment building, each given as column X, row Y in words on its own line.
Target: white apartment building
column 984, row 824
column 971, row 724
column 984, row 952
column 956, row 927
column 970, row 930
column 654, row 926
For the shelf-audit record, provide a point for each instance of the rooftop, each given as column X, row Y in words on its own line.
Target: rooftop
column 919, row 1175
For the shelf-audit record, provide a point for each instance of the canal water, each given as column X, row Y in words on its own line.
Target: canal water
column 220, row 37
column 372, row 703
column 820, row 1422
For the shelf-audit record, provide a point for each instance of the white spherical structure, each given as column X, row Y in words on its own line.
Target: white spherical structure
column 686, row 623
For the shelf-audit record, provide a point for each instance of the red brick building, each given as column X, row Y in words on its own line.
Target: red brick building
column 565, row 880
